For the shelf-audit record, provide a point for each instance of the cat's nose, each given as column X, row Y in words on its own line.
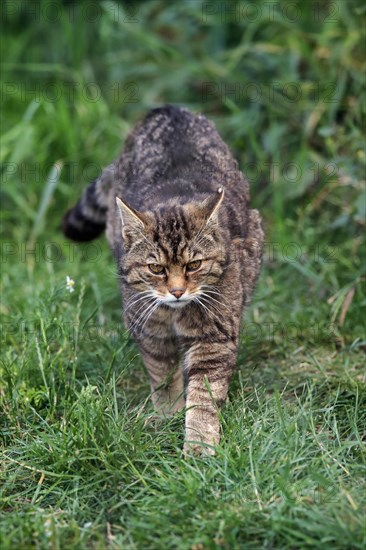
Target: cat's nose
column 177, row 292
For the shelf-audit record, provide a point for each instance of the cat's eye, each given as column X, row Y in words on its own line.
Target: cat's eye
column 193, row 266
column 157, row 269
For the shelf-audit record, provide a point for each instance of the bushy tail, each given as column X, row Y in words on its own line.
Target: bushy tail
column 87, row 219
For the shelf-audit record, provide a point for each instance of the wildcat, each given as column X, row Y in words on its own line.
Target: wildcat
column 188, row 248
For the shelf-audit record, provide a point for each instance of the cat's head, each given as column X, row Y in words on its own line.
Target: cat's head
column 174, row 254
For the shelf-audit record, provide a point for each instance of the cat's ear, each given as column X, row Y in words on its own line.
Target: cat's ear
column 211, row 206
column 132, row 220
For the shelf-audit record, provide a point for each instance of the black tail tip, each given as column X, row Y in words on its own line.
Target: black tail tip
column 80, row 230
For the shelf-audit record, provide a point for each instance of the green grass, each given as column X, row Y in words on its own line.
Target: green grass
column 83, row 462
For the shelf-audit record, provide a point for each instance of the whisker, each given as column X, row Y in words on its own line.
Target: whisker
column 141, row 311
column 198, row 301
column 139, row 297
column 206, row 293
column 145, row 312
column 213, row 288
column 210, row 289
column 142, row 298
column 113, row 274
column 202, row 296
column 151, row 312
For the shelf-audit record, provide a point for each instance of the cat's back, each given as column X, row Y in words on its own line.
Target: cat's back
column 172, row 134
column 175, row 153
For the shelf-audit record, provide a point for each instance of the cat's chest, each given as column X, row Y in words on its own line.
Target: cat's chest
column 192, row 322
column 185, row 322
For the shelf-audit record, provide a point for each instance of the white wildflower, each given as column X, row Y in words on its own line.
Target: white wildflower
column 70, row 283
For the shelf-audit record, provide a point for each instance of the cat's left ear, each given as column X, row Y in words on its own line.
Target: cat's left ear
column 211, row 206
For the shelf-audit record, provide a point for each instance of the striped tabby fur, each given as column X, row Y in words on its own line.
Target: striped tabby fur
column 181, row 208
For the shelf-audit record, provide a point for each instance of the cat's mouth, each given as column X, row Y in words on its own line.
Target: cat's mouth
column 177, row 304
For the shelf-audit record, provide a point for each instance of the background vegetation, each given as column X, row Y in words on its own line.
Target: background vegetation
column 83, row 464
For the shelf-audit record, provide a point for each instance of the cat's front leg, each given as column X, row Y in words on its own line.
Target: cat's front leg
column 209, row 368
column 166, row 378
column 161, row 356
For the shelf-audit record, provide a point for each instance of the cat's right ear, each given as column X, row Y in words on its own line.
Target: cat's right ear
column 211, row 206
column 132, row 221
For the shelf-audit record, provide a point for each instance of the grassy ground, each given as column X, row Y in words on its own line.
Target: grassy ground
column 83, row 464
